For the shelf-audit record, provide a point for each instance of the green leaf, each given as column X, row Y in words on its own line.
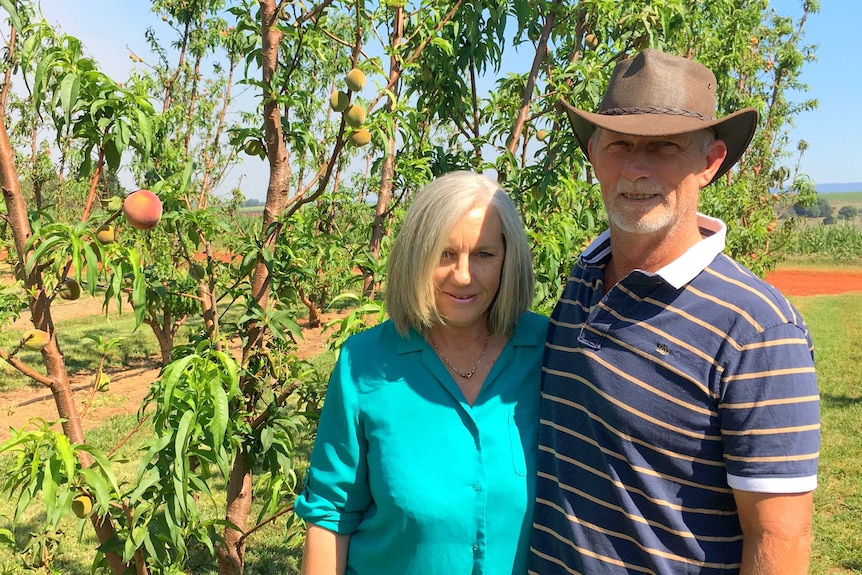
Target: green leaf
column 103, row 464
column 113, row 154
column 70, row 85
column 97, row 485
column 218, row 424
column 170, row 378
column 182, row 436
column 14, row 17
column 149, row 479
column 64, row 452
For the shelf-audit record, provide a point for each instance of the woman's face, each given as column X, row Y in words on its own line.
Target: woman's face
column 468, row 274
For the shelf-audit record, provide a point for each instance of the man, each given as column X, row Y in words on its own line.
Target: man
column 680, row 412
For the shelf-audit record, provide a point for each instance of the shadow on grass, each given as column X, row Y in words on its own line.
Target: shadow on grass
column 29, row 531
column 839, row 401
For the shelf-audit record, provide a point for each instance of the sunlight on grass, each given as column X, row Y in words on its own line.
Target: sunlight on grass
column 836, row 327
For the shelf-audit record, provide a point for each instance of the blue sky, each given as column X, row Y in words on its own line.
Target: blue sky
column 832, row 130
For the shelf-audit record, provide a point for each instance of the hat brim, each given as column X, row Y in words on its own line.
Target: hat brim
column 736, row 130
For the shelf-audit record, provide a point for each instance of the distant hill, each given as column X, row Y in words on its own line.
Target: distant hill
column 834, row 188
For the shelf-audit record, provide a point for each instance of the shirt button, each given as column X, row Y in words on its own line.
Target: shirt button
column 477, row 486
column 476, row 548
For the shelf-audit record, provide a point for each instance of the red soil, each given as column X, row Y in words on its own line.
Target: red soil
column 806, row 282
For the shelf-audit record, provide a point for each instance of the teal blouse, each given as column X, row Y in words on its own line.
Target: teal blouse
column 423, row 482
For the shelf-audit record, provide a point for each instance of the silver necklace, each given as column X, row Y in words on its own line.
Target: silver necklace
column 464, row 374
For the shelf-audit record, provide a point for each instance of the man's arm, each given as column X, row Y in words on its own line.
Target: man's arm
column 325, row 552
column 776, row 531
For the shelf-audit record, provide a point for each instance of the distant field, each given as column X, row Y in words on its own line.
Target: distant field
column 839, row 199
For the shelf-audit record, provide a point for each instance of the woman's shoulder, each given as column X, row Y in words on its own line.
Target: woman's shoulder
column 533, row 322
column 382, row 332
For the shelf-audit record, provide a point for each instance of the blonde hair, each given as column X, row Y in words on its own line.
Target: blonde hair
column 434, row 212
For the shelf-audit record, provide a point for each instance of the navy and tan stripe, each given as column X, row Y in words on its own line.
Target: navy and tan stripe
column 613, row 560
column 770, row 402
column 771, row 430
column 757, row 292
column 619, row 434
column 776, row 459
column 664, row 334
column 640, row 469
column 770, row 373
column 628, row 408
column 706, row 511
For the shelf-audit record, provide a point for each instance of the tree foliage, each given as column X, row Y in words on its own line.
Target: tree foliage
column 452, row 84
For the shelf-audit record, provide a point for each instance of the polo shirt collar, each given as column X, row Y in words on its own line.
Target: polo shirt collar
column 683, row 269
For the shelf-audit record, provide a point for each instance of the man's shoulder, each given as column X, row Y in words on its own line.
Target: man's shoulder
column 737, row 286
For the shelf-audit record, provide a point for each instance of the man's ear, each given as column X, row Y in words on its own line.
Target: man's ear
column 715, row 155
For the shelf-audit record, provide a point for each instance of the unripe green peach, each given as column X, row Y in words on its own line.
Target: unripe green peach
column 35, row 339
column 355, row 80
column 197, row 271
column 339, row 101
column 254, row 148
column 70, row 289
column 360, row 137
column 102, row 382
column 354, row 116
column 113, row 203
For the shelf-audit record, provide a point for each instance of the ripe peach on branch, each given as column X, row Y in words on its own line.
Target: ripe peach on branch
column 143, row 209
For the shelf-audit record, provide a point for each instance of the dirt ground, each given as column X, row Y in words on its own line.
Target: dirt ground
column 128, row 387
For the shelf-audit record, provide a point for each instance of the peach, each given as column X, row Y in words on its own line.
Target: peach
column 360, row 137
column 70, row 289
column 143, row 209
column 355, row 80
column 81, row 506
column 354, row 116
column 339, row 101
column 105, row 234
column 35, row 339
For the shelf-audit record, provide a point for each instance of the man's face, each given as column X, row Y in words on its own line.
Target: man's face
column 651, row 184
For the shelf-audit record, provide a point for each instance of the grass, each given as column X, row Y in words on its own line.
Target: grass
column 836, row 327
column 81, row 353
column 815, row 263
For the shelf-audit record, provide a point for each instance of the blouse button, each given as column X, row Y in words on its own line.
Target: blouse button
column 477, row 486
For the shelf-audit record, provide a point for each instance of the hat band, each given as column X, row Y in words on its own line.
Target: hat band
column 667, row 111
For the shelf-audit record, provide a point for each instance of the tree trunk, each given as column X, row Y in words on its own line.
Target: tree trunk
column 231, row 554
column 387, row 173
column 57, row 378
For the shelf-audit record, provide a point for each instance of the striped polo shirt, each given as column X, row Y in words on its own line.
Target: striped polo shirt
column 658, row 398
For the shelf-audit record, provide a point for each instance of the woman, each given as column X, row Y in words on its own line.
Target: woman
column 424, row 458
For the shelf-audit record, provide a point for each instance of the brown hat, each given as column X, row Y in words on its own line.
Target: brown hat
column 659, row 94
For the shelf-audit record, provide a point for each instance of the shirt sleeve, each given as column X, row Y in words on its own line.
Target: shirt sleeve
column 770, row 413
column 336, row 493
